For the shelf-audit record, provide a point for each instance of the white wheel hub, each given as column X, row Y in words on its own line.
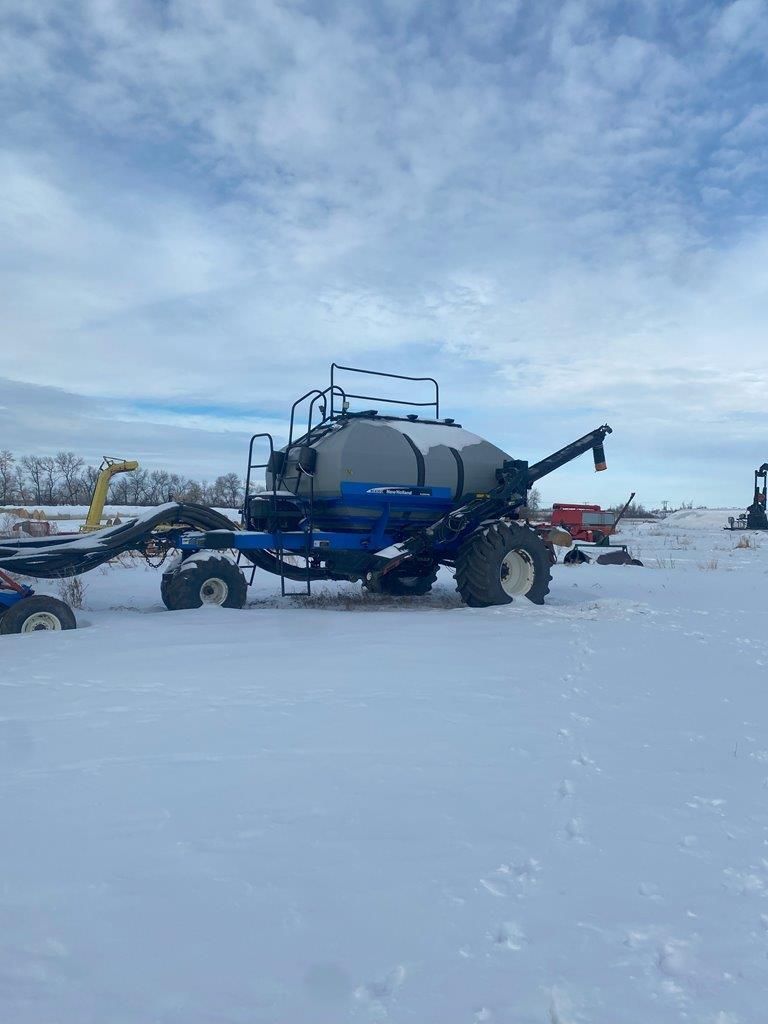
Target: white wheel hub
column 516, row 573
column 214, row 591
column 38, row 621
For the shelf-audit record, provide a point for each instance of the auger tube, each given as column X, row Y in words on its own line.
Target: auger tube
column 515, row 479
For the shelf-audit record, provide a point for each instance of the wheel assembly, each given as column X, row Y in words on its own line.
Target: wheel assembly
column 501, row 562
column 203, row 579
column 411, row 579
column 38, row 614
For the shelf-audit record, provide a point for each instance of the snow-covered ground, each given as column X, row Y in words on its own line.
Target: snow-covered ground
column 351, row 809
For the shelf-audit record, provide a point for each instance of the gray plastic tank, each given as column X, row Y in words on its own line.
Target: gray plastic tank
column 362, row 454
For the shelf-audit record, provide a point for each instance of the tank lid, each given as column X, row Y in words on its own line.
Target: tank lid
column 374, row 414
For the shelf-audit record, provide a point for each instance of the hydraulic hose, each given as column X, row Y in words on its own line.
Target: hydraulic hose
column 64, row 555
column 70, row 555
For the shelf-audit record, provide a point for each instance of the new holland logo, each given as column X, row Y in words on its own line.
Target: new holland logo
column 419, row 491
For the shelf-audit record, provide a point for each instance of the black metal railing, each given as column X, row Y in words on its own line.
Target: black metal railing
column 434, row 404
column 275, row 527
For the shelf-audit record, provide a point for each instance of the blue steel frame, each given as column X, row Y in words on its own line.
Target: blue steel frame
column 363, row 533
column 9, row 597
column 379, row 534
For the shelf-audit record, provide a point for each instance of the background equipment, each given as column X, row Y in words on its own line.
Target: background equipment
column 108, row 468
column 755, row 517
column 588, row 523
column 588, row 534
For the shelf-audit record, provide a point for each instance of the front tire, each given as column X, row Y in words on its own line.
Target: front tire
column 211, row 579
column 501, row 562
column 37, row 614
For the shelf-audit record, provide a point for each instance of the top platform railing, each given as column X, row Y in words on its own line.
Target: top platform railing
column 333, row 402
column 335, row 388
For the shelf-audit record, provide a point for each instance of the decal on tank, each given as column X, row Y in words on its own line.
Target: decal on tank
column 399, row 490
column 406, row 490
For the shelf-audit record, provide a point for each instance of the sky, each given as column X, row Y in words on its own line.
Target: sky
column 560, row 209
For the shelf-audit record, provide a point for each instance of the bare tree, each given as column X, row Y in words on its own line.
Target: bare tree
column 119, row 489
column 533, row 504
column 176, row 486
column 159, row 486
column 196, row 491
column 34, row 478
column 228, row 491
column 87, row 483
column 70, row 469
column 49, row 478
column 635, row 510
column 137, row 486
column 7, row 477
column 65, row 479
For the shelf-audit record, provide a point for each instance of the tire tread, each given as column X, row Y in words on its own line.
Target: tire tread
column 478, row 561
column 180, row 589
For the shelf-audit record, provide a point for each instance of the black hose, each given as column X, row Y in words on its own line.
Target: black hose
column 59, row 556
column 72, row 554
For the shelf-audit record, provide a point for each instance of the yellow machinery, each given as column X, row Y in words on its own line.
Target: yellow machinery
column 108, row 468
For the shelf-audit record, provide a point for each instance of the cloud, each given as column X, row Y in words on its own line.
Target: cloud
column 742, row 24
column 42, row 420
column 561, row 206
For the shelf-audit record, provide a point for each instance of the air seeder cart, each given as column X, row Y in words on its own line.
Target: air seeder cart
column 378, row 497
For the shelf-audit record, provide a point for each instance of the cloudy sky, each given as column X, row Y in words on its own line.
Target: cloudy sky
column 559, row 208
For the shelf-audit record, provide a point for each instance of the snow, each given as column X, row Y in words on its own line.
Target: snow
column 76, row 511
column 357, row 809
column 427, row 436
column 701, row 518
column 75, row 514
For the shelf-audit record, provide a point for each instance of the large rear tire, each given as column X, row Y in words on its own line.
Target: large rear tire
column 37, row 614
column 501, row 562
column 204, row 579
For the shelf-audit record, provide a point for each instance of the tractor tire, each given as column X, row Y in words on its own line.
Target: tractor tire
column 168, row 574
column 212, row 579
column 501, row 562
column 405, row 583
column 37, row 614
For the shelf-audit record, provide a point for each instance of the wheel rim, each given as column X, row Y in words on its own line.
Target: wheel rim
column 40, row 621
column 516, row 573
column 214, row 591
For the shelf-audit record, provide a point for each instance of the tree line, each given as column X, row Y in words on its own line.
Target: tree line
column 66, row 479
